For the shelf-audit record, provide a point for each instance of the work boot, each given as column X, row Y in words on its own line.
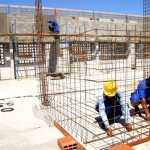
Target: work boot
column 137, row 112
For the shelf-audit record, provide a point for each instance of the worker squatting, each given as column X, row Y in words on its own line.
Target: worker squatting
column 111, row 104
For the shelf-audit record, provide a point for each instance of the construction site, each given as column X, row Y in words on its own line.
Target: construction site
column 69, row 67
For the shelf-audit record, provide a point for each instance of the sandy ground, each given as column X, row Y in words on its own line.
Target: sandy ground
column 20, row 129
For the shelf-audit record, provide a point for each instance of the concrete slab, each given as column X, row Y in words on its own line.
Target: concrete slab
column 20, row 129
column 18, row 88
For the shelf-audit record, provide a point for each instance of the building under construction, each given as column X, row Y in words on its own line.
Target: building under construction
column 73, row 65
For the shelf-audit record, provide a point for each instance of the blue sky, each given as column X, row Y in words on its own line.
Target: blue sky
column 120, row 6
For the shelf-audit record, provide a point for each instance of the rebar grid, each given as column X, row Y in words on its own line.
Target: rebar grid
column 86, row 65
column 74, row 67
column 146, row 30
column 41, row 53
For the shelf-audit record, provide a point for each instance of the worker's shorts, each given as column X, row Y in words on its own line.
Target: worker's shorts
column 135, row 98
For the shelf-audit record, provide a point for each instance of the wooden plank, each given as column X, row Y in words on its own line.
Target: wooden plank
column 139, row 141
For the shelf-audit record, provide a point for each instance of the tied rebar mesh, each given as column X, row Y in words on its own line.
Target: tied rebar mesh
column 73, row 67
column 43, row 87
column 146, row 32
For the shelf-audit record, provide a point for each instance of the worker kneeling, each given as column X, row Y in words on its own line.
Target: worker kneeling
column 111, row 104
column 141, row 96
column 54, row 27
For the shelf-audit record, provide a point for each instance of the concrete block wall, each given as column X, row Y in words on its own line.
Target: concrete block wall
column 74, row 23
column 3, row 22
column 24, row 22
column 46, row 24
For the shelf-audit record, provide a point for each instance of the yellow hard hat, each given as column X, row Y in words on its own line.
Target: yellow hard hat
column 110, row 87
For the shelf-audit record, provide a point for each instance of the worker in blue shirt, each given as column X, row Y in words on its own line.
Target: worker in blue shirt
column 111, row 104
column 142, row 96
column 54, row 26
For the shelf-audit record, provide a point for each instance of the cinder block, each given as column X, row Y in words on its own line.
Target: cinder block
column 121, row 147
column 67, row 143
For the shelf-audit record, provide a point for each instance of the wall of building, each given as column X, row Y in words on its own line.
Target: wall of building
column 21, row 19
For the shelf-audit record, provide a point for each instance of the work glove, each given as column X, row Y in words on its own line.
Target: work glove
column 109, row 132
column 128, row 127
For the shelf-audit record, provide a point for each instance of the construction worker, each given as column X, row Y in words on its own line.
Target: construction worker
column 142, row 96
column 54, row 26
column 111, row 104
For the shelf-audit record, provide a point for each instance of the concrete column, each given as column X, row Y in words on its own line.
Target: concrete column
column 52, row 59
column 54, row 56
column 57, row 42
column 12, row 60
column 133, row 56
